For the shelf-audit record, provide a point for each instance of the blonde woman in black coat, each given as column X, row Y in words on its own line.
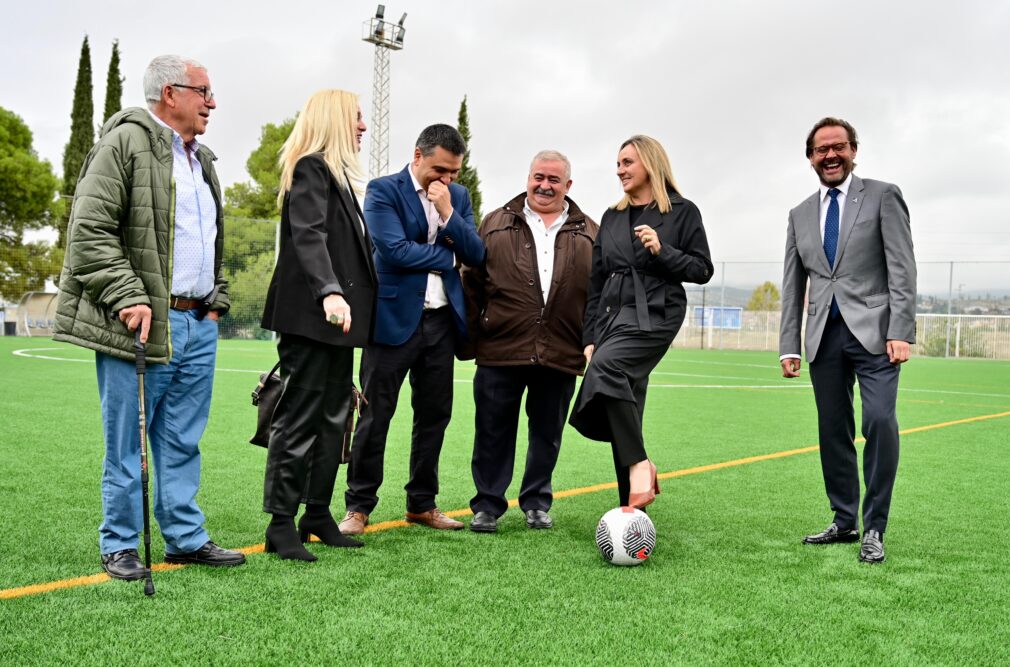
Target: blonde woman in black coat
column 321, row 301
column 649, row 243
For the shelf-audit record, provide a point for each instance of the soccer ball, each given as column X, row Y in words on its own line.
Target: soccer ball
column 625, row 536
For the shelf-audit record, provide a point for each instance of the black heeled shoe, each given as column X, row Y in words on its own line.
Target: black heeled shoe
column 322, row 525
column 282, row 539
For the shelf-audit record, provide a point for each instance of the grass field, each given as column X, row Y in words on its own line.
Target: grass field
column 729, row 581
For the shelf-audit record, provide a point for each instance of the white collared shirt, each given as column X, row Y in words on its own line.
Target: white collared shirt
column 195, row 219
column 434, row 295
column 825, row 200
column 544, row 239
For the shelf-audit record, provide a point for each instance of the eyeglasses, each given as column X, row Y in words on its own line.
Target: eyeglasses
column 838, row 148
column 208, row 94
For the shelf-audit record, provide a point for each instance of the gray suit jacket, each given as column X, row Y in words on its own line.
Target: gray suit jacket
column 873, row 280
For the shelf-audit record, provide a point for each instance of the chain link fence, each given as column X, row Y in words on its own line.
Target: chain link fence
column 963, row 308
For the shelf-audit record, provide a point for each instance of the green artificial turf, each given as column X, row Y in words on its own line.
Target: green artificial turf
column 729, row 581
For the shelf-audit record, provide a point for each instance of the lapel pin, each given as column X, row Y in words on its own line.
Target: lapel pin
column 855, row 200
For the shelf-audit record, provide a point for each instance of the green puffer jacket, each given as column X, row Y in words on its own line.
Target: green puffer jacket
column 119, row 249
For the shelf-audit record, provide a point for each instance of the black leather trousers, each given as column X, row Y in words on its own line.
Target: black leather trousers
column 307, row 431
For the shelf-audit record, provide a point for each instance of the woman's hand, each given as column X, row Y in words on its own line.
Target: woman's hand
column 647, row 235
column 337, row 312
column 589, row 352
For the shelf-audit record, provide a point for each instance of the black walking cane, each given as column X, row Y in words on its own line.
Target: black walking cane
column 138, row 348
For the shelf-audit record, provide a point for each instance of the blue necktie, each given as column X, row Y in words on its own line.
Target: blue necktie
column 831, row 238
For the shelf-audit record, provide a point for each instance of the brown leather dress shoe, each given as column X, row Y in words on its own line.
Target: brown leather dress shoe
column 353, row 523
column 434, row 518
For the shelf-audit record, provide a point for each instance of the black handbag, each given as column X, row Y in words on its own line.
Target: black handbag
column 265, row 397
column 268, row 392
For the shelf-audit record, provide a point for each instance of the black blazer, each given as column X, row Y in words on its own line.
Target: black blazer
column 324, row 250
column 626, row 274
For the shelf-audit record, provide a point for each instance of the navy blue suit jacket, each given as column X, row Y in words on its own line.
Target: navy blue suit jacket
column 404, row 258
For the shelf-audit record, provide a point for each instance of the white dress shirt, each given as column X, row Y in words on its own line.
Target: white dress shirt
column 434, row 295
column 544, row 238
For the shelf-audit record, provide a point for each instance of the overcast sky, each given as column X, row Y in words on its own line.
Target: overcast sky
column 729, row 88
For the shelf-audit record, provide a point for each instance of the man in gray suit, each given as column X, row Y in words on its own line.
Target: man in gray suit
column 852, row 241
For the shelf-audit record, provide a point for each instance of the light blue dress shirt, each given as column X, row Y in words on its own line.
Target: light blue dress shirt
column 195, row 222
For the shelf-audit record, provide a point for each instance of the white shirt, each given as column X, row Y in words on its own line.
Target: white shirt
column 434, row 295
column 826, row 200
column 544, row 238
column 195, row 221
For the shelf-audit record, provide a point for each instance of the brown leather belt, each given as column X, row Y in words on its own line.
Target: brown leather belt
column 184, row 303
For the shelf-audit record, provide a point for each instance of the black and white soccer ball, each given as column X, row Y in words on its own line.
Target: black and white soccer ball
column 625, row 536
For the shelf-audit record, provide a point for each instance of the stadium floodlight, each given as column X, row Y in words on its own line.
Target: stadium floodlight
column 387, row 37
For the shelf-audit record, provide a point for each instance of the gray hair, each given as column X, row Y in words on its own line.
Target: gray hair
column 553, row 156
column 164, row 71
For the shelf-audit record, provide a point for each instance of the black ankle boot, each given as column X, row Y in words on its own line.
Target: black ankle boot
column 318, row 521
column 282, row 539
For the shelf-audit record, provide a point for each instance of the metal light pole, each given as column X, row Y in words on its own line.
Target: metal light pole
column 387, row 37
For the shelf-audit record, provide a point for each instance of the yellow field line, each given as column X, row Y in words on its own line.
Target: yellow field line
column 90, row 580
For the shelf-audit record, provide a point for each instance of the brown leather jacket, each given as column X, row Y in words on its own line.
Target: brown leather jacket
column 509, row 323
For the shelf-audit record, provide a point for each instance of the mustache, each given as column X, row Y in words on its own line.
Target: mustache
column 547, row 192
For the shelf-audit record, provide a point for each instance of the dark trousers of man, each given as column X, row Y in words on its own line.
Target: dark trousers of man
column 307, row 432
column 840, row 360
column 497, row 395
column 428, row 356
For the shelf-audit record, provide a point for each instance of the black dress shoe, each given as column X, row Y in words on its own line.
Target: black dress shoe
column 872, row 549
column 209, row 554
column 484, row 522
column 538, row 519
column 325, row 528
column 831, row 535
column 124, row 565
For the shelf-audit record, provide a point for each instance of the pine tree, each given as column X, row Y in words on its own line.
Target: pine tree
column 82, row 133
column 113, row 85
column 467, row 174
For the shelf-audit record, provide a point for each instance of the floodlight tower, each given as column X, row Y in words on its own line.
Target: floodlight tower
column 387, row 37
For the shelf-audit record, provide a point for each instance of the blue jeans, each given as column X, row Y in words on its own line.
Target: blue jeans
column 178, row 403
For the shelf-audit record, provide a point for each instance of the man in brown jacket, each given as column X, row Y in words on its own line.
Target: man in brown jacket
column 525, row 306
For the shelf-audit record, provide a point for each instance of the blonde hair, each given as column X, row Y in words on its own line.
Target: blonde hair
column 326, row 124
column 657, row 166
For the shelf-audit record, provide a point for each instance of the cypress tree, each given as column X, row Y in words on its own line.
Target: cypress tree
column 82, row 133
column 468, row 174
column 113, row 85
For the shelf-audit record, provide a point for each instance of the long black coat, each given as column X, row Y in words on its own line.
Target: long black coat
column 324, row 250
column 636, row 305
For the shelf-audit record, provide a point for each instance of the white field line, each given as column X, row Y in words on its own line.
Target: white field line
column 29, row 353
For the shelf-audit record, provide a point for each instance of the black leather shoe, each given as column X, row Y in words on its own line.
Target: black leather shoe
column 209, row 554
column 872, row 550
column 484, row 522
column 538, row 519
column 124, row 565
column 831, row 535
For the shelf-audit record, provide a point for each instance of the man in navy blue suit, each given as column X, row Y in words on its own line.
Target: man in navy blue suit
column 421, row 223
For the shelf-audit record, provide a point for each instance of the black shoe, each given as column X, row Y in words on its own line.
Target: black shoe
column 209, row 554
column 484, row 522
column 125, row 565
column 282, row 539
column 872, row 550
column 831, row 535
column 538, row 519
column 325, row 528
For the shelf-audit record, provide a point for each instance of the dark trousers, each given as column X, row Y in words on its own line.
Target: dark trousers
column 307, row 431
column 497, row 395
column 628, row 444
column 428, row 357
column 840, row 360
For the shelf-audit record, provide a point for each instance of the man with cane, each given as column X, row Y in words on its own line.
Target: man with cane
column 144, row 255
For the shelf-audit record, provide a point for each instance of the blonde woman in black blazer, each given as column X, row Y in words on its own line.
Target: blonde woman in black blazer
column 649, row 244
column 321, row 301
